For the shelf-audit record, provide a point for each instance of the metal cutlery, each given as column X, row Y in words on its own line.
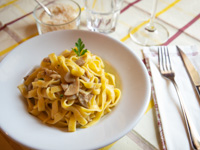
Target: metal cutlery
column 167, row 72
column 194, row 75
column 45, row 8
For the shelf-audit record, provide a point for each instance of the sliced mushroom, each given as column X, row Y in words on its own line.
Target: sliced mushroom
column 88, row 74
column 67, row 53
column 46, row 59
column 86, row 79
column 73, row 88
column 69, row 78
column 26, row 77
column 55, row 76
column 81, row 86
column 80, row 61
column 84, row 99
column 99, row 79
column 36, row 79
column 64, row 86
column 49, row 72
column 72, row 97
column 30, row 87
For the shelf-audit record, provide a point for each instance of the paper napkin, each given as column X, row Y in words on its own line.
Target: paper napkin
column 171, row 124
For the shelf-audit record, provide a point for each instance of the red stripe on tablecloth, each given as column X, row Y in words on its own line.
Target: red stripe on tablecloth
column 182, row 29
column 9, row 23
column 129, row 5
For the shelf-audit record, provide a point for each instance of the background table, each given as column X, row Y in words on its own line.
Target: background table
column 180, row 17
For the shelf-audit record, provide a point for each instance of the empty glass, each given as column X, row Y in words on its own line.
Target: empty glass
column 102, row 15
column 149, row 33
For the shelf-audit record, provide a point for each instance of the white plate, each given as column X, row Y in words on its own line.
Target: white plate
column 16, row 122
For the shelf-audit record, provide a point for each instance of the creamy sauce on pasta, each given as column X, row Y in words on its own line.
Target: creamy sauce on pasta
column 109, row 68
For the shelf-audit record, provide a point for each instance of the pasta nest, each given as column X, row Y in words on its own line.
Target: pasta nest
column 70, row 91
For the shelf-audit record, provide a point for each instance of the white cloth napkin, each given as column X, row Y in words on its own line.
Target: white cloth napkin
column 170, row 114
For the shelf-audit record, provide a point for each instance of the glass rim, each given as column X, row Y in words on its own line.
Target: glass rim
column 102, row 13
column 39, row 21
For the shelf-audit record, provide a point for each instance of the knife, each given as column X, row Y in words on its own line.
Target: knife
column 194, row 75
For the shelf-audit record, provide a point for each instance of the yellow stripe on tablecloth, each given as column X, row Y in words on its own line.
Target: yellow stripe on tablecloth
column 157, row 14
column 134, row 30
column 150, row 106
column 23, row 11
column 13, row 46
column 8, row 3
column 94, row 3
column 8, row 49
column 168, row 7
column 181, row 9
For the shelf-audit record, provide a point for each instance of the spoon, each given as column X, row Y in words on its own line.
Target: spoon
column 45, row 8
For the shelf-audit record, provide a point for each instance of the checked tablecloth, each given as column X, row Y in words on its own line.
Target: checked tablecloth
column 180, row 17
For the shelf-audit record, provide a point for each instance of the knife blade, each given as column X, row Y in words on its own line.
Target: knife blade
column 194, row 75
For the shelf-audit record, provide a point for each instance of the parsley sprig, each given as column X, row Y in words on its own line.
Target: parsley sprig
column 79, row 50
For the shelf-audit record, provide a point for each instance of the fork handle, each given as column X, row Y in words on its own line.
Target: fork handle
column 192, row 131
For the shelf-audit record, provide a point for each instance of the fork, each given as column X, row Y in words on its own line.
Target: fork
column 167, row 72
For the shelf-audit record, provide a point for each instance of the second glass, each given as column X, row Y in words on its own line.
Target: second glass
column 102, row 15
column 149, row 33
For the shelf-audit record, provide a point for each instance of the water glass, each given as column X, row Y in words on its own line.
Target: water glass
column 102, row 15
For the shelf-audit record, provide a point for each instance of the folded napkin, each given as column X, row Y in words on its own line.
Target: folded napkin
column 171, row 124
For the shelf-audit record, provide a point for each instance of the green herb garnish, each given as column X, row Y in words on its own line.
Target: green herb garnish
column 41, row 79
column 61, row 95
column 79, row 50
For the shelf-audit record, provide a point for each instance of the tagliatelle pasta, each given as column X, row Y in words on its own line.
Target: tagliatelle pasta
column 70, row 91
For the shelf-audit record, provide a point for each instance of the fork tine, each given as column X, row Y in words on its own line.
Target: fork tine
column 168, row 61
column 164, row 58
column 160, row 59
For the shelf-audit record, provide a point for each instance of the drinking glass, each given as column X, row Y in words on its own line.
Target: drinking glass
column 102, row 15
column 149, row 33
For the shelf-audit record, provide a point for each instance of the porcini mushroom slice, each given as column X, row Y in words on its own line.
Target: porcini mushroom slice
column 64, row 86
column 26, row 77
column 55, row 76
column 69, row 78
column 72, row 97
column 80, row 61
column 73, row 88
column 86, row 79
column 46, row 59
column 88, row 74
column 84, row 99
column 30, row 87
column 49, row 72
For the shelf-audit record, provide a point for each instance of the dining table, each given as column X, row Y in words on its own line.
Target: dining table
column 180, row 17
